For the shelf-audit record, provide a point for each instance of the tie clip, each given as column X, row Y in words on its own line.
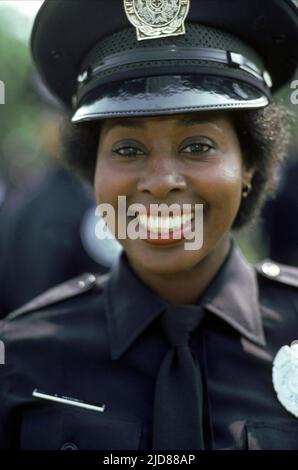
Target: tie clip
column 67, row 401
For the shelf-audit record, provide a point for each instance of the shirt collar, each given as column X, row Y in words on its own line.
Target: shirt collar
column 131, row 307
column 232, row 296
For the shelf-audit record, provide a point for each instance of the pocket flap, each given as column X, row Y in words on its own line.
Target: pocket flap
column 52, row 428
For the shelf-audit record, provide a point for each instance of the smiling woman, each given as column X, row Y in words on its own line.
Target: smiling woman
column 174, row 160
column 171, row 109
column 165, row 159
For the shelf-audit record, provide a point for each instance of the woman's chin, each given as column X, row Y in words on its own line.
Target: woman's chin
column 164, row 261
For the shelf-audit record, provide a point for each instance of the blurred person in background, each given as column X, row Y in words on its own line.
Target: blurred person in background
column 47, row 224
column 280, row 216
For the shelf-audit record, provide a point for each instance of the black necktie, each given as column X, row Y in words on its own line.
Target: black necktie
column 177, row 415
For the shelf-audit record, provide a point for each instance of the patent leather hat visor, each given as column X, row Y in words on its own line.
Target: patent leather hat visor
column 168, row 95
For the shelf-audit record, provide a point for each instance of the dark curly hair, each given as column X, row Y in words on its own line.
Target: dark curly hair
column 263, row 135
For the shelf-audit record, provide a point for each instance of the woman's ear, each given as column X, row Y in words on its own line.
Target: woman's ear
column 248, row 174
column 247, row 178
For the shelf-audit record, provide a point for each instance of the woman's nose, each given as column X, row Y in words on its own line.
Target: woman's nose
column 162, row 177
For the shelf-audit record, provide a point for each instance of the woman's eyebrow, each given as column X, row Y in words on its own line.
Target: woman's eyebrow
column 194, row 121
column 141, row 124
column 128, row 123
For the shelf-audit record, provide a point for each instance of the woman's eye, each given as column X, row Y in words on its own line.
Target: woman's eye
column 197, row 147
column 128, row 151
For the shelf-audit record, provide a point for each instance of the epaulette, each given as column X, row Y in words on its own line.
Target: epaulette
column 278, row 272
column 72, row 288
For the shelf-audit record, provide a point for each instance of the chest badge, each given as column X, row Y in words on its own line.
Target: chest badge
column 157, row 18
column 285, row 377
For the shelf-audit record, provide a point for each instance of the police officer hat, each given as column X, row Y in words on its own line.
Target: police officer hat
column 146, row 57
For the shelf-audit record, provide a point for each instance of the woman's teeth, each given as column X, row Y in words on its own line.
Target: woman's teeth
column 163, row 225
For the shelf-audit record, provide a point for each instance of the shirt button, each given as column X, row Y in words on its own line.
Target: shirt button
column 69, row 446
column 87, row 281
column 271, row 269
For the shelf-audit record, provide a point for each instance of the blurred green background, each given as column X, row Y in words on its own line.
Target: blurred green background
column 20, row 141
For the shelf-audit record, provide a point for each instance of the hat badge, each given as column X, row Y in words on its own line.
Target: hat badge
column 285, row 377
column 157, row 18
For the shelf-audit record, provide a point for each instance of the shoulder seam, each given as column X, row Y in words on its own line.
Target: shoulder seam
column 67, row 290
column 278, row 272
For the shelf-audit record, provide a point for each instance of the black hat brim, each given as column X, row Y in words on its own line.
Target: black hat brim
column 168, row 95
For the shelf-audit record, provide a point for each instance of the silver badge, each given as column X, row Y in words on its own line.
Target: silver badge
column 285, row 377
column 157, row 18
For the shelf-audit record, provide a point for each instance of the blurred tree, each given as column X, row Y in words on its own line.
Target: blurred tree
column 19, row 116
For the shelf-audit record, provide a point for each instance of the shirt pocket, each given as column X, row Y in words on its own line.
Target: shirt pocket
column 59, row 428
column 273, row 435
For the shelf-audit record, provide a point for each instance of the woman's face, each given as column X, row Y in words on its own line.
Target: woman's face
column 180, row 159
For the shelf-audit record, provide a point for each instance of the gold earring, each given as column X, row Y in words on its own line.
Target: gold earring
column 246, row 190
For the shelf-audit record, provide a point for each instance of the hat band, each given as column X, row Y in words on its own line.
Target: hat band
column 232, row 59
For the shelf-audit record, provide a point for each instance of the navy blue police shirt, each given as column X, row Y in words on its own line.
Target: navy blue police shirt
column 98, row 340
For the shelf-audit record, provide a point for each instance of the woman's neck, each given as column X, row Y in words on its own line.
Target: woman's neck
column 186, row 287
